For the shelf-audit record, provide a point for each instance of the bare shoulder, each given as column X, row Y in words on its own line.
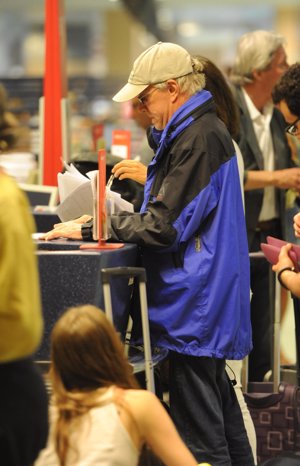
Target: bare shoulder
column 142, row 401
column 140, row 396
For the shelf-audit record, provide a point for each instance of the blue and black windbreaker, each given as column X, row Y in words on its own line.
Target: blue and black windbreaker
column 192, row 234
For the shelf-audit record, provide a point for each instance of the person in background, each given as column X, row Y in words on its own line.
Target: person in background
column 15, row 145
column 198, row 291
column 145, row 152
column 136, row 169
column 13, row 135
column 98, row 414
column 23, row 397
column 286, row 95
column 226, row 108
column 269, row 170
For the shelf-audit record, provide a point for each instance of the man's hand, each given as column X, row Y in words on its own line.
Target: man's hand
column 297, row 225
column 71, row 229
column 130, row 169
column 289, row 178
column 81, row 220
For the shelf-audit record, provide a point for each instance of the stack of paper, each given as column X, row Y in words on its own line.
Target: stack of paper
column 75, row 194
column 78, row 195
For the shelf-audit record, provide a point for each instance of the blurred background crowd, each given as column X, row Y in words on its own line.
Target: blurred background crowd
column 103, row 38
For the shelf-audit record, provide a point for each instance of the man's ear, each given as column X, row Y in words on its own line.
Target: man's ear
column 256, row 74
column 173, row 89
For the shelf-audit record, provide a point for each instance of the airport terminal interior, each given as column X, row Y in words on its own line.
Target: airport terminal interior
column 101, row 40
column 103, row 37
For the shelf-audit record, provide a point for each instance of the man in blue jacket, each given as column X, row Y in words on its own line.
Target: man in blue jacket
column 192, row 235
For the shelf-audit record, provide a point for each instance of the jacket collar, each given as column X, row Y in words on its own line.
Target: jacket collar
column 192, row 109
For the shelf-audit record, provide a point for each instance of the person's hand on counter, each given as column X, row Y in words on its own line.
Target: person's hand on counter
column 71, row 229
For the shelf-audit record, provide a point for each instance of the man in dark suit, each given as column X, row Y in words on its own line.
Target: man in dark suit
column 269, row 170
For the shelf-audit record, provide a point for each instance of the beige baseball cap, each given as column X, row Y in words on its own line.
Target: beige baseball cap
column 157, row 64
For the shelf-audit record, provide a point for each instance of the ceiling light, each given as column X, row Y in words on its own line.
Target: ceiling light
column 188, row 29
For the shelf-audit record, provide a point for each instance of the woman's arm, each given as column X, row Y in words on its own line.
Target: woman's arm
column 157, row 429
column 289, row 278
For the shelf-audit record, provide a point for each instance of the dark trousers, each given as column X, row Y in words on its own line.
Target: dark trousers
column 23, row 413
column 206, row 412
column 261, row 309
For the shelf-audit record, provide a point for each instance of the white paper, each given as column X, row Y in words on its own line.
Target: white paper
column 67, row 183
column 78, row 203
column 78, row 195
column 118, row 204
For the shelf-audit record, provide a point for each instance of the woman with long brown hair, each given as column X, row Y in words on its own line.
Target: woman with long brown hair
column 99, row 416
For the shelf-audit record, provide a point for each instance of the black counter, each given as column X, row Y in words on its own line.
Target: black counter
column 70, row 277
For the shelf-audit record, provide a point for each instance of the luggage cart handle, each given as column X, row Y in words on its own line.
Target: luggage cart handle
column 139, row 272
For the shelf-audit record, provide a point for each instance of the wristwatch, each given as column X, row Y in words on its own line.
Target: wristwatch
column 87, row 230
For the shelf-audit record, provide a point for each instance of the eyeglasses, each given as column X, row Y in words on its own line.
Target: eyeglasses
column 293, row 128
column 143, row 98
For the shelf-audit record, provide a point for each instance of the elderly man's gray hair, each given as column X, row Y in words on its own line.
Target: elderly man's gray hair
column 255, row 51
